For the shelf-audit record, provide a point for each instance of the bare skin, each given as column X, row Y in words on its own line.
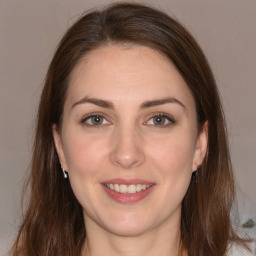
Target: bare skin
column 129, row 117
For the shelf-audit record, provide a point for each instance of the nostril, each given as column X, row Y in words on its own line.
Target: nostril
column 126, row 149
column 127, row 163
column 127, row 160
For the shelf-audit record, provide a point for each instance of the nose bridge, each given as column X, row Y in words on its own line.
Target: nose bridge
column 127, row 148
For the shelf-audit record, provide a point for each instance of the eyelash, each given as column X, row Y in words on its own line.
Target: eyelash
column 170, row 120
column 90, row 116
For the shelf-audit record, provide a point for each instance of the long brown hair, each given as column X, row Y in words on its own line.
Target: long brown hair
column 53, row 223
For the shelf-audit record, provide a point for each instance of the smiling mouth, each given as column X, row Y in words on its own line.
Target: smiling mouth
column 128, row 189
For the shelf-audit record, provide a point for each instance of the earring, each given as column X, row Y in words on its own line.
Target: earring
column 194, row 174
column 65, row 174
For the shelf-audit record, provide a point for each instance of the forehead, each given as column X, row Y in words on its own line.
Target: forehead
column 134, row 73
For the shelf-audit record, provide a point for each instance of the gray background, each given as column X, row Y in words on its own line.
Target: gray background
column 29, row 33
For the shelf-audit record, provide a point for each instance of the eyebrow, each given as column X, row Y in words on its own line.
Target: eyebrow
column 158, row 102
column 144, row 105
column 95, row 101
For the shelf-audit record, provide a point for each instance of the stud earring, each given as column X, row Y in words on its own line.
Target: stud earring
column 65, row 174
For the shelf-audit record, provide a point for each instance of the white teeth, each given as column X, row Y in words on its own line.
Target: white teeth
column 123, row 189
column 132, row 189
column 143, row 187
column 128, row 189
column 116, row 187
column 139, row 188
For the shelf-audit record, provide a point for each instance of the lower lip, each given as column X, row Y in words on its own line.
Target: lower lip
column 128, row 198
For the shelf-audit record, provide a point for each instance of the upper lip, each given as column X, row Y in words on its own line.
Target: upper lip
column 128, row 181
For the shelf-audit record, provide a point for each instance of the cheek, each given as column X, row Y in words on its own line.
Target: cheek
column 172, row 159
column 85, row 157
column 83, row 153
column 173, row 155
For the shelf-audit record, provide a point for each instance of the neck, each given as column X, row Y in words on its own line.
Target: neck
column 164, row 241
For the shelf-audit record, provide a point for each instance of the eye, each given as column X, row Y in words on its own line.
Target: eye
column 95, row 120
column 160, row 120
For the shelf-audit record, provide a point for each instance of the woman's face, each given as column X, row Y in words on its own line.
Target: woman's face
column 129, row 140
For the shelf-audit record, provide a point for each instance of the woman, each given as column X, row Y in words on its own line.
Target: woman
column 130, row 153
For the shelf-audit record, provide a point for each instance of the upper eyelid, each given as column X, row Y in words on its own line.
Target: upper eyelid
column 171, row 121
column 94, row 114
column 150, row 116
column 168, row 116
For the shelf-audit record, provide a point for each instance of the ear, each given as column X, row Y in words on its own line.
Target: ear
column 59, row 147
column 201, row 147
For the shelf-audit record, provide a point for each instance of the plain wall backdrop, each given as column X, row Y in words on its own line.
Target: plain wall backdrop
column 29, row 33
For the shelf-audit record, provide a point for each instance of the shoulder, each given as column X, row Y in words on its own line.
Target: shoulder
column 236, row 250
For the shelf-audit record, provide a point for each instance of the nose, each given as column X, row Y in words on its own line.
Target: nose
column 127, row 150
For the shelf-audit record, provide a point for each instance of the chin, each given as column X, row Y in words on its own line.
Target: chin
column 129, row 225
column 128, row 230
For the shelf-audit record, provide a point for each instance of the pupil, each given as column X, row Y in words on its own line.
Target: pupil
column 96, row 120
column 159, row 120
